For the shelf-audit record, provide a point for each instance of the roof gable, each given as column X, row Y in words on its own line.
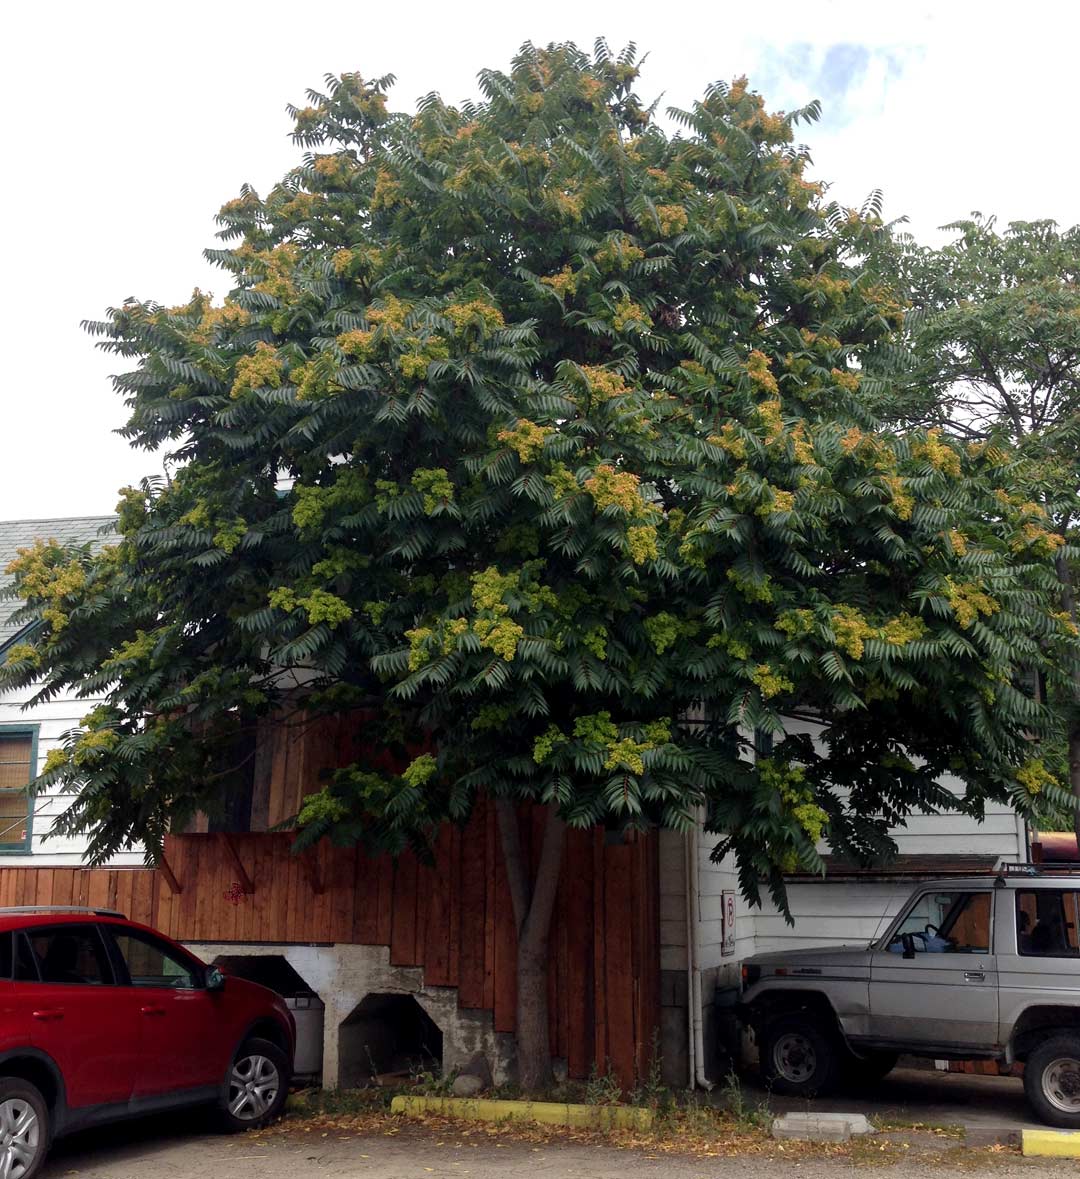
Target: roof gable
column 21, row 534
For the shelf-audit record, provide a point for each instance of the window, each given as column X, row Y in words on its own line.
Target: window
column 151, row 963
column 1047, row 922
column 18, row 768
column 946, row 923
column 65, row 954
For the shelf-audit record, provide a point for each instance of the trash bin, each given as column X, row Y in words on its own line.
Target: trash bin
column 275, row 972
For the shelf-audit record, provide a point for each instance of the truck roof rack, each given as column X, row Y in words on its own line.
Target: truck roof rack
column 1044, row 869
column 59, row 909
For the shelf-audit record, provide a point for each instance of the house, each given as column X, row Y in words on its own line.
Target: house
column 393, row 961
column 27, row 736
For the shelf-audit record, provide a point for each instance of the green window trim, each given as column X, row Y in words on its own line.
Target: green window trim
column 21, row 847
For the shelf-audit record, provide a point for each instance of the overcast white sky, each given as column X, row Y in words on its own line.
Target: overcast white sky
column 128, row 125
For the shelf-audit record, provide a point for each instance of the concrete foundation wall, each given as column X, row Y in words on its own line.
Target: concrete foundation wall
column 342, row 976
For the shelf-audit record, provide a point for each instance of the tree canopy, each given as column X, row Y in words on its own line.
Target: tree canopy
column 992, row 357
column 541, row 430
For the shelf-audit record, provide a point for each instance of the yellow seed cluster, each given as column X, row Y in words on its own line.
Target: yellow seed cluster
column 902, row 500
column 938, row 453
column 629, row 314
column 391, row 314
column 769, row 682
column 848, row 381
column 258, row 371
column 527, row 438
column 728, row 439
column 615, row 489
column 475, row 313
column 758, row 369
column 356, row 343
column 564, row 284
column 673, row 219
column 47, row 580
column 642, row 543
column 851, row 630
column 1034, row 776
column 770, row 415
column 968, row 601
column 603, row 383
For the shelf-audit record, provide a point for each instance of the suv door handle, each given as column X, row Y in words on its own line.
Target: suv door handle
column 152, row 1010
column 45, row 1014
column 974, row 976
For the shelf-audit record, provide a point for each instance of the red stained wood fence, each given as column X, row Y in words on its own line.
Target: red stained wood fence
column 452, row 918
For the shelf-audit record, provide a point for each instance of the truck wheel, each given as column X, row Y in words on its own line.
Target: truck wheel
column 1052, row 1081
column 800, row 1055
column 867, row 1068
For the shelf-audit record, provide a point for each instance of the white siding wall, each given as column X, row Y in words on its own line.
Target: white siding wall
column 672, row 862
column 713, row 881
column 833, row 912
column 841, row 913
column 53, row 720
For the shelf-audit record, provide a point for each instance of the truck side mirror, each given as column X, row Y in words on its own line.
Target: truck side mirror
column 907, row 940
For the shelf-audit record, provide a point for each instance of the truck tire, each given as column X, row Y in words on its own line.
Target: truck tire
column 800, row 1055
column 1052, row 1080
column 867, row 1068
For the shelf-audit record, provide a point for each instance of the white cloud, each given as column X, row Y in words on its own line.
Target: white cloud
column 128, row 126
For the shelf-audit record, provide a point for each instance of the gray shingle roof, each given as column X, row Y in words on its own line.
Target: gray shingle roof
column 21, row 534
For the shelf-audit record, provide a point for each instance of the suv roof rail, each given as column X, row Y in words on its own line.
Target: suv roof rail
column 59, row 909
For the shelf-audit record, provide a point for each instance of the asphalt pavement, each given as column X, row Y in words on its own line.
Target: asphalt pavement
column 183, row 1146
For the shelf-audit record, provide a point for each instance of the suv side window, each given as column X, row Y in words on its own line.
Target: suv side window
column 946, row 923
column 66, row 954
column 1047, row 922
column 152, row 963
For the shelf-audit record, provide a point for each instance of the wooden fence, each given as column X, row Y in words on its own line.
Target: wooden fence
column 451, row 918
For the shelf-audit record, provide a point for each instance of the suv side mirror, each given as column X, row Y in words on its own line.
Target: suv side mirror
column 908, row 942
column 215, row 980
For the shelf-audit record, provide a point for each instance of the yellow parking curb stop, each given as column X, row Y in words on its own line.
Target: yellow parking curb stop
column 1060, row 1144
column 547, row 1113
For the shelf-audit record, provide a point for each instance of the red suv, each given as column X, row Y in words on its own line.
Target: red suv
column 102, row 1019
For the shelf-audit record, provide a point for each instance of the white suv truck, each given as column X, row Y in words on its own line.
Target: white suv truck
column 978, row 968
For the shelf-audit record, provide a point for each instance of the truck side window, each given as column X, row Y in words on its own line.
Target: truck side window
column 946, row 923
column 1046, row 923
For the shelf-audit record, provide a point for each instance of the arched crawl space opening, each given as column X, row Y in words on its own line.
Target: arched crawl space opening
column 387, row 1036
column 277, row 973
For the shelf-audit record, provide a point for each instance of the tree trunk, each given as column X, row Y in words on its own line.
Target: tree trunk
column 534, row 904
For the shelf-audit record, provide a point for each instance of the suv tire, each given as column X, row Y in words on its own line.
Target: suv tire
column 1052, row 1081
column 800, row 1055
column 256, row 1087
column 24, row 1117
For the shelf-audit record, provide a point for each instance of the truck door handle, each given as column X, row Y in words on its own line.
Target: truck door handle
column 152, row 1010
column 974, row 976
column 47, row 1014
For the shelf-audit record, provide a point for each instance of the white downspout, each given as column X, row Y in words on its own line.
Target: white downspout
column 693, row 958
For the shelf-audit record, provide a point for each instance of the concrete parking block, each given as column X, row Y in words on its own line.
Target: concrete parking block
column 820, row 1127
